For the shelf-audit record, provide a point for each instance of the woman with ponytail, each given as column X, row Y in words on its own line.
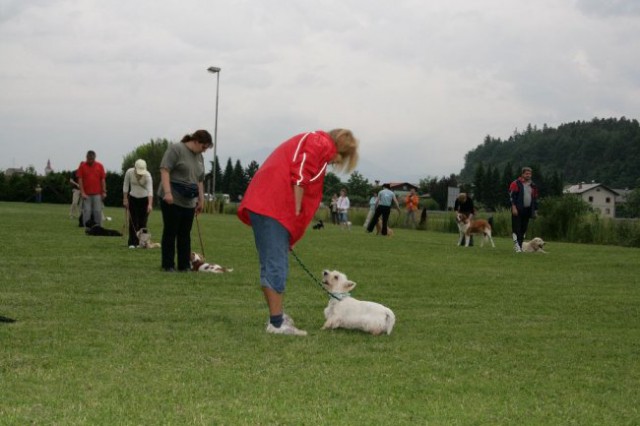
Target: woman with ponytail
column 280, row 202
column 181, row 193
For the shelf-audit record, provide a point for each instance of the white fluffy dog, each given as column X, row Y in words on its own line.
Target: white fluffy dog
column 347, row 312
column 535, row 245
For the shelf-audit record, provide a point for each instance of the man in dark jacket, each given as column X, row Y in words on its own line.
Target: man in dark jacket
column 524, row 195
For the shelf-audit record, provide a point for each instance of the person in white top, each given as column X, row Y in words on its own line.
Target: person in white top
column 343, row 208
column 137, row 198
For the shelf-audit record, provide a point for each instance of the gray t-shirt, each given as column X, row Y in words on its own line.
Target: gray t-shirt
column 526, row 194
column 184, row 166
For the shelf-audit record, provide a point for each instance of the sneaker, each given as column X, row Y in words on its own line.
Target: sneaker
column 285, row 329
column 517, row 248
column 287, row 320
column 132, row 247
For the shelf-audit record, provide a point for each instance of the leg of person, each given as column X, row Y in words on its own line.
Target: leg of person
column 524, row 224
column 185, row 223
column 138, row 210
column 368, row 219
column 515, row 232
column 132, row 241
column 386, row 211
column 374, row 220
column 86, row 210
column 169, row 232
column 96, row 208
column 272, row 243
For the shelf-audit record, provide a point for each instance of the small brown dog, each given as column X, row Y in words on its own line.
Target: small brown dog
column 199, row 265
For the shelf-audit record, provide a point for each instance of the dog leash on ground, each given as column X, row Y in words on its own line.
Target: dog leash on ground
column 317, row 281
column 200, row 236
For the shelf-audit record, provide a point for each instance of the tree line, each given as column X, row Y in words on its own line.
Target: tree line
column 606, row 151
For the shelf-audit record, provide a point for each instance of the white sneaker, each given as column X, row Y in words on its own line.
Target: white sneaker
column 285, row 329
column 286, row 319
column 132, row 247
column 517, row 248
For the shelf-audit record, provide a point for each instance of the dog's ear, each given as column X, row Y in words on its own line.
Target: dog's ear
column 350, row 285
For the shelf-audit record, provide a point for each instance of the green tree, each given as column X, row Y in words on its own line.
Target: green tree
column 632, row 206
column 358, row 186
column 251, row 169
column 239, row 181
column 479, row 181
column 227, row 177
column 332, row 185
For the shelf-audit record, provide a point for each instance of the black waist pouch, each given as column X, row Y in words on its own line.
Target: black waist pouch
column 186, row 190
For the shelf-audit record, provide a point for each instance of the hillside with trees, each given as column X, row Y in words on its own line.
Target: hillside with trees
column 606, row 151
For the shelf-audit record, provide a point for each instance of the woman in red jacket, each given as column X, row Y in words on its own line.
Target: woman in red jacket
column 280, row 202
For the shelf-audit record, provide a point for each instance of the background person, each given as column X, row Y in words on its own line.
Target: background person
column 372, row 208
column 464, row 205
column 38, row 193
column 411, row 202
column 524, row 195
column 386, row 197
column 280, row 203
column 93, row 189
column 182, row 195
column 343, row 208
column 137, row 199
column 334, row 209
column 76, row 198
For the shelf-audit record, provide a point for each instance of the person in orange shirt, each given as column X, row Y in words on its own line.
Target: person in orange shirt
column 411, row 202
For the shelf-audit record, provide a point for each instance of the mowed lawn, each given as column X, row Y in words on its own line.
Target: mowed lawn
column 483, row 336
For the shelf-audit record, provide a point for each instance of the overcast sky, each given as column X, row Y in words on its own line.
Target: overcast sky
column 419, row 82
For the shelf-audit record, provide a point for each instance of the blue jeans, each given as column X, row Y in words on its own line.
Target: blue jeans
column 272, row 243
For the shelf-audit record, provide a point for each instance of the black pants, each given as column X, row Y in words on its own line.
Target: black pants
column 519, row 225
column 383, row 211
column 137, row 217
column 176, row 233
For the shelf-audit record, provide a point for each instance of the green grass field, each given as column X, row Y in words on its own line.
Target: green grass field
column 483, row 336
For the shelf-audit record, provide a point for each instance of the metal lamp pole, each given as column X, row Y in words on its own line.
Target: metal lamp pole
column 216, row 71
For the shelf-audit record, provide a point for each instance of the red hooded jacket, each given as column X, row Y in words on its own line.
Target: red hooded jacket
column 302, row 161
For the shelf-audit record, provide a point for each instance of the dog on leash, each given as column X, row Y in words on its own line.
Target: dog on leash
column 536, row 245
column 144, row 238
column 199, row 265
column 350, row 313
column 319, row 225
column 468, row 227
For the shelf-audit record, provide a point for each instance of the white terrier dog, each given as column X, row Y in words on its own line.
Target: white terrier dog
column 347, row 312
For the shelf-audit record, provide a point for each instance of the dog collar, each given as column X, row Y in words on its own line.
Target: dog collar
column 340, row 296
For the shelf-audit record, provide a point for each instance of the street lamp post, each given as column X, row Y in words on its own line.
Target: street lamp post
column 216, row 71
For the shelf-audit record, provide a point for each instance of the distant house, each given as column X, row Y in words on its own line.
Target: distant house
column 402, row 186
column 14, row 171
column 600, row 197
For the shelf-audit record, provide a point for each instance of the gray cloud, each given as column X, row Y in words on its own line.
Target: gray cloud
column 420, row 83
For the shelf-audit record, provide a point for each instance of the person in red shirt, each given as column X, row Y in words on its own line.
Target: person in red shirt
column 93, row 189
column 281, row 201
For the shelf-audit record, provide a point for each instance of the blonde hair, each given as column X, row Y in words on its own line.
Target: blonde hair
column 347, row 146
column 462, row 197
